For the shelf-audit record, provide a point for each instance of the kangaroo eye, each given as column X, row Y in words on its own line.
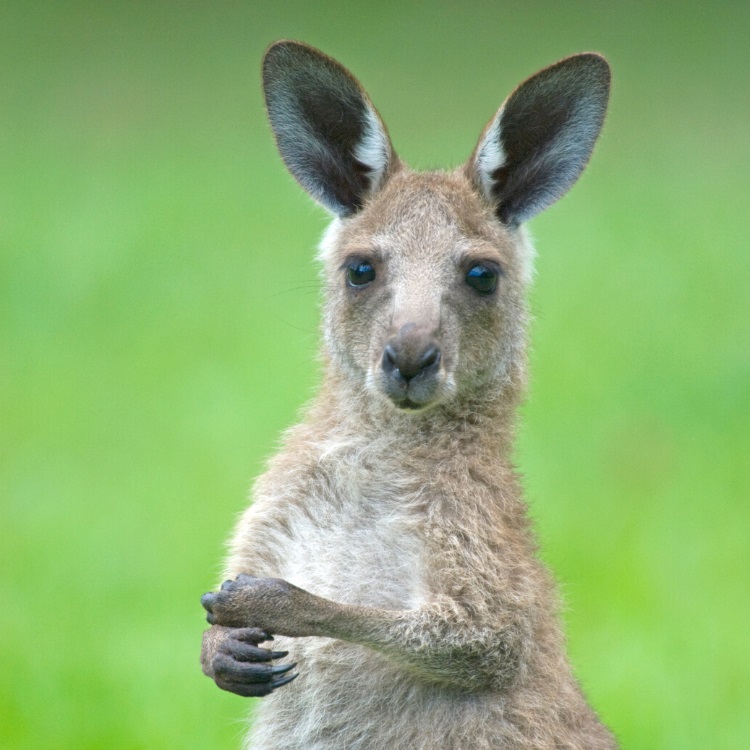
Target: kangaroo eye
column 360, row 273
column 482, row 278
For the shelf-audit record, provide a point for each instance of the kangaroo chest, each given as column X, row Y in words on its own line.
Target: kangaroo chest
column 362, row 545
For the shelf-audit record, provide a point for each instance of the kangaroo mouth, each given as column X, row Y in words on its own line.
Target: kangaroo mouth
column 414, row 396
column 406, row 404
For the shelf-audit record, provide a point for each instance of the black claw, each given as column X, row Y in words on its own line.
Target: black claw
column 279, row 654
column 283, row 681
column 282, row 668
column 252, row 635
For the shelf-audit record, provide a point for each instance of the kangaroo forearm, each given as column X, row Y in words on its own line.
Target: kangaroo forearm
column 432, row 641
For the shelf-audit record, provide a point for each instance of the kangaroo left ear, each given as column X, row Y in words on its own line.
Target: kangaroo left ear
column 540, row 140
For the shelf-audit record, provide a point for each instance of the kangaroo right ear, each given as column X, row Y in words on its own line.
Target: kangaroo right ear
column 538, row 143
column 329, row 135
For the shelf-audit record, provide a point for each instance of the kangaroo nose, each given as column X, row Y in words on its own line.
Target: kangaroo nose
column 407, row 361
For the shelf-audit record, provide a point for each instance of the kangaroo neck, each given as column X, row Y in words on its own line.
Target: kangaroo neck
column 465, row 423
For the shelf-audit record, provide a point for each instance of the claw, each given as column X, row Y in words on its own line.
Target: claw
column 282, row 668
column 283, row 681
column 279, row 654
column 250, row 635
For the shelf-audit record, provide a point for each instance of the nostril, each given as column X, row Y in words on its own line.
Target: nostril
column 430, row 358
column 389, row 358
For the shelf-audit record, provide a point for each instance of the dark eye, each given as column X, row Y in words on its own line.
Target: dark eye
column 360, row 273
column 483, row 278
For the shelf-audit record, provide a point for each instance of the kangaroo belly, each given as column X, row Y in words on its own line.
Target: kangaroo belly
column 349, row 697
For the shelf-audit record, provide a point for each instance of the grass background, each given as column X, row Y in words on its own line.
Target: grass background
column 158, row 329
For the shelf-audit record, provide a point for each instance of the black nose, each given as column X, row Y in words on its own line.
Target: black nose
column 407, row 361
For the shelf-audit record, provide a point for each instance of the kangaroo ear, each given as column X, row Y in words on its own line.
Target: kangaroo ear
column 329, row 135
column 539, row 141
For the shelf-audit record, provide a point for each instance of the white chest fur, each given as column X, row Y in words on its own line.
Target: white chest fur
column 362, row 545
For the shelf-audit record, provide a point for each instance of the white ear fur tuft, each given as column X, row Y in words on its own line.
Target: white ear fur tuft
column 490, row 156
column 374, row 148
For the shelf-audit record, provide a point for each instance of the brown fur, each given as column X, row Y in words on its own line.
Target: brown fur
column 389, row 550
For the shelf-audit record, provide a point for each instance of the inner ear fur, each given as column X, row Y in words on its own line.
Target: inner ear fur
column 329, row 134
column 540, row 140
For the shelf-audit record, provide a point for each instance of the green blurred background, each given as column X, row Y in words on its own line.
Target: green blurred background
column 158, row 329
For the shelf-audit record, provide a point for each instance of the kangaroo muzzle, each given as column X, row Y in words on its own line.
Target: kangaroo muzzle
column 411, row 367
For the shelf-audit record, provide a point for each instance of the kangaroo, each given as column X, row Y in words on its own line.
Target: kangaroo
column 387, row 554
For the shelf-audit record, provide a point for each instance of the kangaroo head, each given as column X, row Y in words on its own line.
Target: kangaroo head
column 426, row 272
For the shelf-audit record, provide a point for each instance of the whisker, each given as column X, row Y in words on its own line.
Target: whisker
column 305, row 289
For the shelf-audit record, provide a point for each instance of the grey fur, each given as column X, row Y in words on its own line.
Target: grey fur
column 388, row 548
